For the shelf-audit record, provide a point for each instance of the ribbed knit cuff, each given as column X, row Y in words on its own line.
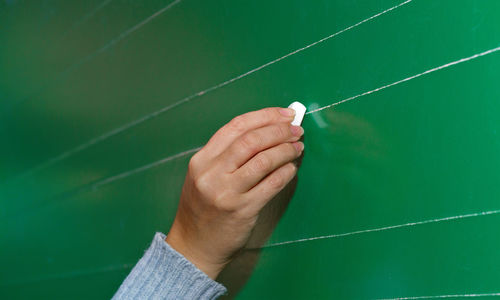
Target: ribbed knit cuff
column 164, row 273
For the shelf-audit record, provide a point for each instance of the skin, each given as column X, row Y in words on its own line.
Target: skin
column 241, row 168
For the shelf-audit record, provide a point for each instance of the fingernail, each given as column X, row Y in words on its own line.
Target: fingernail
column 297, row 130
column 299, row 146
column 287, row 112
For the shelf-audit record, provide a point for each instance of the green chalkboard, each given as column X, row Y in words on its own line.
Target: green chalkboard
column 104, row 101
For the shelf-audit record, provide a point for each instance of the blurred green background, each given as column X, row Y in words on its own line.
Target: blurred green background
column 89, row 167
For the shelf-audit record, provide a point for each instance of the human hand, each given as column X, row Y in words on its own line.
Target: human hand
column 243, row 166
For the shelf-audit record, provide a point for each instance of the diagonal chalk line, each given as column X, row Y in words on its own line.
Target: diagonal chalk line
column 105, row 47
column 408, row 79
column 154, row 114
column 117, row 39
column 86, row 17
column 142, row 169
column 340, row 235
column 445, row 296
column 41, row 87
column 95, row 185
column 89, row 15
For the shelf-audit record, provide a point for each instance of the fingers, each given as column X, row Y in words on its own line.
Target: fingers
column 255, row 141
column 271, row 185
column 265, row 162
column 244, row 123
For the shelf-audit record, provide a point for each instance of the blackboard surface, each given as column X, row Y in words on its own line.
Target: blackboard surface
column 104, row 102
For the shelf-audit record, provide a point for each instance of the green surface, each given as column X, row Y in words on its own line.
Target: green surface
column 76, row 213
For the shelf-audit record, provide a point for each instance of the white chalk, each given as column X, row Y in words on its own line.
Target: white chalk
column 300, row 111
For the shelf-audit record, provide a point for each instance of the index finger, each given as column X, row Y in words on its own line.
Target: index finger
column 241, row 124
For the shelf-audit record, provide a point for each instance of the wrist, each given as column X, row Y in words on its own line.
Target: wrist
column 193, row 253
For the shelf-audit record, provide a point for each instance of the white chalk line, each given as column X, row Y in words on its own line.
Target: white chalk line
column 408, row 79
column 93, row 186
column 445, row 296
column 332, row 236
column 142, row 169
column 86, row 17
column 152, row 115
column 117, row 39
column 109, row 44
column 299, row 50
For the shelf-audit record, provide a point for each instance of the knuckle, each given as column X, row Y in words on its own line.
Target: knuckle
column 276, row 181
column 251, row 141
column 268, row 113
column 224, row 203
column 281, row 178
column 237, row 124
column 202, row 183
column 194, row 162
column 277, row 132
column 262, row 163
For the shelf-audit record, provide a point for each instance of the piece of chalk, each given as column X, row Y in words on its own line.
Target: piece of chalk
column 300, row 111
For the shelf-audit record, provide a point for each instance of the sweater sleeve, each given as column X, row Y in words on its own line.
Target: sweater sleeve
column 163, row 273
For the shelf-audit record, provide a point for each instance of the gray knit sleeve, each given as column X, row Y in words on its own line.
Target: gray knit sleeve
column 163, row 273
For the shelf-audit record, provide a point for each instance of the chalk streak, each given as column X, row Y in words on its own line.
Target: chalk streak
column 58, row 77
column 340, row 235
column 298, row 50
column 117, row 39
column 445, row 296
column 408, row 79
column 154, row 114
column 93, row 186
column 86, row 17
column 142, row 169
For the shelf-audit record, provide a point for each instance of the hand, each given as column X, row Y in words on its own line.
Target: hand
column 243, row 166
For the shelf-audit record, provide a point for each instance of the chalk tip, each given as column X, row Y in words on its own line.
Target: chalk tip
column 300, row 111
